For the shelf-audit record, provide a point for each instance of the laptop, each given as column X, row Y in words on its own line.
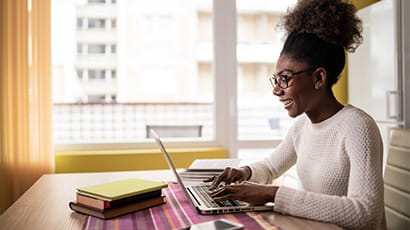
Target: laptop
column 199, row 194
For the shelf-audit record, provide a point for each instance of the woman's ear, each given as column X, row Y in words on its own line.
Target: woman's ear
column 320, row 78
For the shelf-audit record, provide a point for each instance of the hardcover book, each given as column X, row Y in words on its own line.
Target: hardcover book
column 118, row 211
column 120, row 189
column 103, row 204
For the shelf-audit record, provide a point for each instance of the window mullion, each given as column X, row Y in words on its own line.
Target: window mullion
column 225, row 63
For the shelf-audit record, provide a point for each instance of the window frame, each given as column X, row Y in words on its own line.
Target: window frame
column 225, row 97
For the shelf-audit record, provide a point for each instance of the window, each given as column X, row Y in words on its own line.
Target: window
column 96, row 49
column 79, row 49
column 96, row 23
column 96, row 1
column 258, row 47
column 178, row 64
column 257, row 50
column 113, row 23
column 113, row 49
column 128, row 54
column 94, row 74
column 79, row 23
column 80, row 74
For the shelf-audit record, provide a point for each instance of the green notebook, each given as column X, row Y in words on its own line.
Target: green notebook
column 121, row 189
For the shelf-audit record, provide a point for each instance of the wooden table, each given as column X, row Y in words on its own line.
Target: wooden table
column 45, row 204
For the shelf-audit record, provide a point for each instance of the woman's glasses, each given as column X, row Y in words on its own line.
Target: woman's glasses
column 282, row 80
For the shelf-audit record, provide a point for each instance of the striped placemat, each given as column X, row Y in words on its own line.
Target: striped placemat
column 178, row 212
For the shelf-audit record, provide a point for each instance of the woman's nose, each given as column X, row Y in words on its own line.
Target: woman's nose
column 277, row 91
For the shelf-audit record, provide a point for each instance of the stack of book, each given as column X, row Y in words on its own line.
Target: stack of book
column 117, row 198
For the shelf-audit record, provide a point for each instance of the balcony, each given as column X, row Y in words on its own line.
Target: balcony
column 96, row 36
column 97, row 10
column 124, row 122
column 96, row 61
column 127, row 122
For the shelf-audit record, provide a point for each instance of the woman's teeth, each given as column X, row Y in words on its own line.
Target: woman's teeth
column 287, row 102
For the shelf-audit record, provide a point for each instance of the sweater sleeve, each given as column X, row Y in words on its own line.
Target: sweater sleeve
column 363, row 205
column 280, row 160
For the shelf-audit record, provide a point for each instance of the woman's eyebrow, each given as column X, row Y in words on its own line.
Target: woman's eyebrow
column 285, row 70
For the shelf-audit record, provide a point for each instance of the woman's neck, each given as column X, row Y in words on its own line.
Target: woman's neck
column 325, row 109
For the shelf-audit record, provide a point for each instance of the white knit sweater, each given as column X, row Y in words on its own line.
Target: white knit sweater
column 339, row 164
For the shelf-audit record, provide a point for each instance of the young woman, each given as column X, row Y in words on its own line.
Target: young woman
column 337, row 148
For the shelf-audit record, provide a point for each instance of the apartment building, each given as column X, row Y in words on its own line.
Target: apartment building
column 134, row 51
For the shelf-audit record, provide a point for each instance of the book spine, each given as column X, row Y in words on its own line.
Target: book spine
column 103, row 204
column 114, row 212
column 144, row 196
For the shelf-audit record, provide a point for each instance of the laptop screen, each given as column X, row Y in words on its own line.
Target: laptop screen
column 167, row 157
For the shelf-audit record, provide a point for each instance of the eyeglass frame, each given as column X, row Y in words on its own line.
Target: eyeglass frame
column 287, row 77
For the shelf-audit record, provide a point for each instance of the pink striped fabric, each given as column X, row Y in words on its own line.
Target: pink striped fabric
column 178, row 212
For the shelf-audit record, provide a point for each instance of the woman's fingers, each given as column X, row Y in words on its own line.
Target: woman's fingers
column 222, row 177
column 216, row 182
column 209, row 179
column 229, row 175
column 227, row 190
column 226, row 197
column 233, row 175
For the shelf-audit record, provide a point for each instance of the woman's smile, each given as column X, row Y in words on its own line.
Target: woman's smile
column 287, row 103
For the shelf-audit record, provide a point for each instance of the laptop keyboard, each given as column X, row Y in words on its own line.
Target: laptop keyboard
column 204, row 191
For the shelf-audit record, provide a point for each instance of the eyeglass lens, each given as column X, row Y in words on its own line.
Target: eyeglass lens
column 282, row 82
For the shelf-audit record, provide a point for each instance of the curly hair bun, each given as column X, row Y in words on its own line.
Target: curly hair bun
column 333, row 21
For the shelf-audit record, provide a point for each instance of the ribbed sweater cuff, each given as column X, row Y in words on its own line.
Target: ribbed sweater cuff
column 256, row 175
column 284, row 200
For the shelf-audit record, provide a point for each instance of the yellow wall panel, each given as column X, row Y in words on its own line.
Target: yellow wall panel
column 129, row 160
column 340, row 89
column 363, row 3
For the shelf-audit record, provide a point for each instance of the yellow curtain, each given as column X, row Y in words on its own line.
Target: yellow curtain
column 26, row 150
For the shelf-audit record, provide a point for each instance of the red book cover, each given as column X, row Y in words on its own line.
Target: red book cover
column 118, row 211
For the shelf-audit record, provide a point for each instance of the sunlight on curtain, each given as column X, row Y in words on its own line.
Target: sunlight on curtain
column 25, row 97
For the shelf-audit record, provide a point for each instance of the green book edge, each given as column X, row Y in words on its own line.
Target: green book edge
column 121, row 189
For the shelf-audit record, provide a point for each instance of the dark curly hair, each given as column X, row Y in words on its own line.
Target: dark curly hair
column 319, row 32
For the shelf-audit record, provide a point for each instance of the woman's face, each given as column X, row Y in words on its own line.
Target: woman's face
column 299, row 97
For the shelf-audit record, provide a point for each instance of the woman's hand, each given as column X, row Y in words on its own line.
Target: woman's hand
column 248, row 192
column 230, row 175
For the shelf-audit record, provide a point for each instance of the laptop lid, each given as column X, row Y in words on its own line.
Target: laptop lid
column 166, row 156
column 172, row 167
column 195, row 199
